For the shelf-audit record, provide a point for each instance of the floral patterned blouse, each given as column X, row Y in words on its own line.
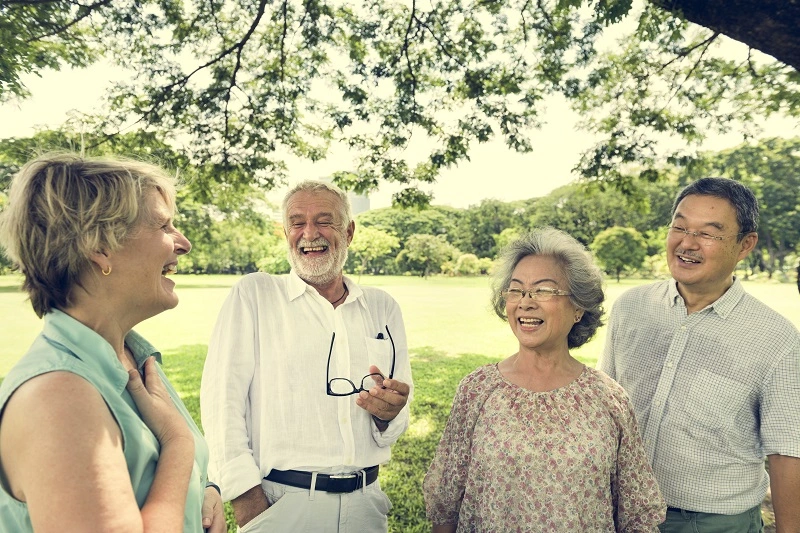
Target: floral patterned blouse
column 565, row 460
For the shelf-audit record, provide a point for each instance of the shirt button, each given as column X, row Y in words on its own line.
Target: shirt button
column 683, row 328
column 657, row 403
column 669, row 364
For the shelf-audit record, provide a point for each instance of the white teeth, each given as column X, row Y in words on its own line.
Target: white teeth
column 530, row 321
column 687, row 259
column 314, row 249
column 169, row 269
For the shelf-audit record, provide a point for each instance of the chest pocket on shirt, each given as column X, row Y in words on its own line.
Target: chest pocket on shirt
column 379, row 352
column 713, row 401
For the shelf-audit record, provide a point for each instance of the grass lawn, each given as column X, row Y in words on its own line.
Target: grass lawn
column 451, row 331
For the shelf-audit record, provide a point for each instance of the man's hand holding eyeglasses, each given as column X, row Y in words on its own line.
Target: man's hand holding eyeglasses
column 386, row 399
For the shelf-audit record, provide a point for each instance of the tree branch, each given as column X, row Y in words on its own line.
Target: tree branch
column 60, row 29
column 686, row 51
column 238, row 47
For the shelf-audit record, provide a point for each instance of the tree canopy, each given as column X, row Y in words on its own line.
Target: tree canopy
column 242, row 86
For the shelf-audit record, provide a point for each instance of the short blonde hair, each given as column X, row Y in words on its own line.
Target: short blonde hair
column 62, row 208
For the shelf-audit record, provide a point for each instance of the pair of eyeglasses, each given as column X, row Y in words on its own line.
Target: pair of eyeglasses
column 703, row 237
column 345, row 387
column 539, row 294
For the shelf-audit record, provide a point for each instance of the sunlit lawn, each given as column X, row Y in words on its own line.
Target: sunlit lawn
column 451, row 315
column 451, row 331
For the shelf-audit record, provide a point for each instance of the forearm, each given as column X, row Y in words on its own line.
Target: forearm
column 165, row 506
column 249, row 505
column 784, row 474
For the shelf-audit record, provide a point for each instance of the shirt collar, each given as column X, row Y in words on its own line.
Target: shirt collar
column 297, row 287
column 82, row 340
column 722, row 306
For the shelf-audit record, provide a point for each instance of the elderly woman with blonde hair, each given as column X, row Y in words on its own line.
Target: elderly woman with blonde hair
column 92, row 435
column 540, row 441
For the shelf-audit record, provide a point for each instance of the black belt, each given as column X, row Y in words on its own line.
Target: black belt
column 679, row 510
column 325, row 482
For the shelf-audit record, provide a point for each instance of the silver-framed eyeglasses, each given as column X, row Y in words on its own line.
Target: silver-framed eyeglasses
column 539, row 294
column 703, row 237
column 344, row 386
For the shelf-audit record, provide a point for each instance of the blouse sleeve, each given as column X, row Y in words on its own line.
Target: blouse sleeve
column 638, row 504
column 443, row 487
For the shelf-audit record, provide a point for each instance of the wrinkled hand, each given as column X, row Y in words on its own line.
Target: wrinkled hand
column 156, row 406
column 213, row 512
column 386, row 399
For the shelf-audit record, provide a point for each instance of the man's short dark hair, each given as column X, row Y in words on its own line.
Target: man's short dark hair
column 740, row 197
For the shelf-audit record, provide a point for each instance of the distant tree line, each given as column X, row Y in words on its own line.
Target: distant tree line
column 236, row 233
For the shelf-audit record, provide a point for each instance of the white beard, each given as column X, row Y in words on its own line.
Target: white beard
column 318, row 270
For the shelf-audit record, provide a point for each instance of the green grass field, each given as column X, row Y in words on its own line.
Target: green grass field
column 450, row 315
column 451, row 331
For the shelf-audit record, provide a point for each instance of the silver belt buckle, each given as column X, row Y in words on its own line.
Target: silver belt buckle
column 342, row 476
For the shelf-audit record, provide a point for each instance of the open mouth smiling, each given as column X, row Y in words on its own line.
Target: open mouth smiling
column 171, row 268
column 312, row 249
column 687, row 259
column 530, row 321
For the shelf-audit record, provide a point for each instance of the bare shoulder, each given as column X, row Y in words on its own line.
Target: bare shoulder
column 48, row 417
column 53, row 392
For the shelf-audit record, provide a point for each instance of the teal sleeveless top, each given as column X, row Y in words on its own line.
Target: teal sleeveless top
column 67, row 345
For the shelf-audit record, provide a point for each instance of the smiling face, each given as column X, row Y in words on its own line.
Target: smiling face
column 140, row 266
column 317, row 236
column 541, row 326
column 706, row 267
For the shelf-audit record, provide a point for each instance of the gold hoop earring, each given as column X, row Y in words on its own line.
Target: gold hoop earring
column 106, row 272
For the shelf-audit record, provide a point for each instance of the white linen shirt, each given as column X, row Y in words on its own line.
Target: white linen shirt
column 714, row 391
column 263, row 393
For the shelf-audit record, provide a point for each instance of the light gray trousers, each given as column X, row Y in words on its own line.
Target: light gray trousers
column 294, row 510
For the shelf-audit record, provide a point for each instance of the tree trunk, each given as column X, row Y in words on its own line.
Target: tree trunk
column 771, row 26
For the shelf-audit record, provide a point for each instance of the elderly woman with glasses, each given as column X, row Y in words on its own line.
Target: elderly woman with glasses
column 539, row 441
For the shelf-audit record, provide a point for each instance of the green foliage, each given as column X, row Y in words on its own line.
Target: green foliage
column 39, row 35
column 370, row 244
column 230, row 236
column 619, row 250
column 482, row 223
column 468, row 265
column 403, row 223
column 424, row 254
column 583, row 210
column 242, row 86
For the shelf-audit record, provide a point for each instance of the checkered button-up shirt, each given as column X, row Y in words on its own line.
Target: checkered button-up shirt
column 714, row 391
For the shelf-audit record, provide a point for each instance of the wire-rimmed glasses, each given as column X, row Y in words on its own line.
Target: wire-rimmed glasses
column 345, row 387
column 539, row 294
column 703, row 237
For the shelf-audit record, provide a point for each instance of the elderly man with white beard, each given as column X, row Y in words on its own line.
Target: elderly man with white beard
column 307, row 383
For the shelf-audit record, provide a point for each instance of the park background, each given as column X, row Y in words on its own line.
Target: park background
column 483, row 119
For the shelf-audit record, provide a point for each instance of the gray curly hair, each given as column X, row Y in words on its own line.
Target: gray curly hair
column 584, row 277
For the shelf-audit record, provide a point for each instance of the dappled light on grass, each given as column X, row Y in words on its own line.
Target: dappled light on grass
column 421, row 427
